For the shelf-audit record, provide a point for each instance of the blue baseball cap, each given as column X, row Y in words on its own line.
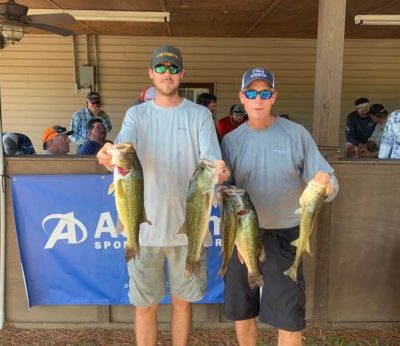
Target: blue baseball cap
column 257, row 74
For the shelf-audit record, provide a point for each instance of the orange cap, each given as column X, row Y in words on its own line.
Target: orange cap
column 54, row 131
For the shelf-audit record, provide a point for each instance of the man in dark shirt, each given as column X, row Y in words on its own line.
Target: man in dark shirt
column 97, row 138
column 359, row 127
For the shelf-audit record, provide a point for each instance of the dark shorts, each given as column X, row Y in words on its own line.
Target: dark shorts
column 283, row 301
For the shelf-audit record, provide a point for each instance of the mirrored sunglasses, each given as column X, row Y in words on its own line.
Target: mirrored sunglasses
column 252, row 94
column 162, row 69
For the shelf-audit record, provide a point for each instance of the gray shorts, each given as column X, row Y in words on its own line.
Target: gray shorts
column 147, row 276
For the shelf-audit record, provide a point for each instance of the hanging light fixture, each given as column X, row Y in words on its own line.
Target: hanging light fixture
column 12, row 32
column 377, row 19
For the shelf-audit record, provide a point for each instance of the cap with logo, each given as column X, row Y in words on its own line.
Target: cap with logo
column 166, row 54
column 377, row 109
column 257, row 74
column 10, row 143
column 54, row 131
column 238, row 110
column 147, row 94
column 93, row 96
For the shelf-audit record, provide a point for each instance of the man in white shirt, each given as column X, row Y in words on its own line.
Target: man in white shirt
column 170, row 135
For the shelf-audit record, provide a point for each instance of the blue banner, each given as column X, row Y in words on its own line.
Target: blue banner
column 70, row 250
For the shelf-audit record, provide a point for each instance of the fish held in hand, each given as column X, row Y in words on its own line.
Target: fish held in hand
column 240, row 227
column 129, row 194
column 198, row 209
column 311, row 202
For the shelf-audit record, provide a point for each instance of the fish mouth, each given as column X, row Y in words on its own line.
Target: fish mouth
column 123, row 171
column 242, row 212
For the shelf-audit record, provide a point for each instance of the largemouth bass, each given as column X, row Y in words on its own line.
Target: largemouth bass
column 128, row 185
column 198, row 208
column 311, row 201
column 240, row 227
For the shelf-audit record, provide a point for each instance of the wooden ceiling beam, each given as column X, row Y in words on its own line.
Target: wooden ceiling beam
column 275, row 4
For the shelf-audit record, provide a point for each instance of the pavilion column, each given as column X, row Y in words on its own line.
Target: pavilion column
column 328, row 76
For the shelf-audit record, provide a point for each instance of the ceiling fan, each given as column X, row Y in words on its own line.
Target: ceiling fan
column 14, row 18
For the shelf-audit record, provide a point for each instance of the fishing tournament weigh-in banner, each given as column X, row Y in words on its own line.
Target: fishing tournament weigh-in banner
column 70, row 250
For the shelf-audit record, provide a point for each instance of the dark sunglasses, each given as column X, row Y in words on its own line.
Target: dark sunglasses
column 162, row 69
column 95, row 103
column 252, row 94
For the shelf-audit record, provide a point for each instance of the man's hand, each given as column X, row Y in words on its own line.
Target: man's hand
column 324, row 179
column 104, row 157
column 222, row 171
column 366, row 153
column 95, row 109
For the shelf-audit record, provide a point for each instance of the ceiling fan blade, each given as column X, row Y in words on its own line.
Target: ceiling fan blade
column 52, row 19
column 51, row 28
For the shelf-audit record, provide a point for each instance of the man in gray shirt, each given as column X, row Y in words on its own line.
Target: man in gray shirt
column 271, row 157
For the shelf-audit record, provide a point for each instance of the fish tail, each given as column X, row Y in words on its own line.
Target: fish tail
column 192, row 268
column 292, row 272
column 130, row 253
column 255, row 280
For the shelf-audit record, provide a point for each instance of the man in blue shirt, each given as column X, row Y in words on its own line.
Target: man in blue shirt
column 81, row 118
column 97, row 138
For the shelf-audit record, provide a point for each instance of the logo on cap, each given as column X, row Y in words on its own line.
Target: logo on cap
column 257, row 73
column 166, row 54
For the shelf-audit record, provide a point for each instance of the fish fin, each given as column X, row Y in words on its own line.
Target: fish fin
column 307, row 248
column 255, row 280
column 299, row 211
column 296, row 243
column 222, row 271
column 111, row 188
column 241, row 259
column 207, row 242
column 119, row 189
column 120, row 227
column 131, row 253
column 182, row 229
column 144, row 218
column 262, row 255
column 292, row 273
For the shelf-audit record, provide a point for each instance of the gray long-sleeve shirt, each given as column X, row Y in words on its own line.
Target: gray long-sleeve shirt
column 272, row 164
column 169, row 143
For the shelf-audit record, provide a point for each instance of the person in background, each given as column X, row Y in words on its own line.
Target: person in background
column 80, row 119
column 55, row 140
column 170, row 134
column 271, row 158
column 97, row 138
column 379, row 115
column 390, row 141
column 286, row 116
column 208, row 100
column 17, row 144
column 147, row 94
column 359, row 127
column 236, row 117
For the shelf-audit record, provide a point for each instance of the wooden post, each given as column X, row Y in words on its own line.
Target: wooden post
column 326, row 121
column 328, row 76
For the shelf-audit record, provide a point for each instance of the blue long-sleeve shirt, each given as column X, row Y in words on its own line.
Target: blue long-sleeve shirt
column 79, row 124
